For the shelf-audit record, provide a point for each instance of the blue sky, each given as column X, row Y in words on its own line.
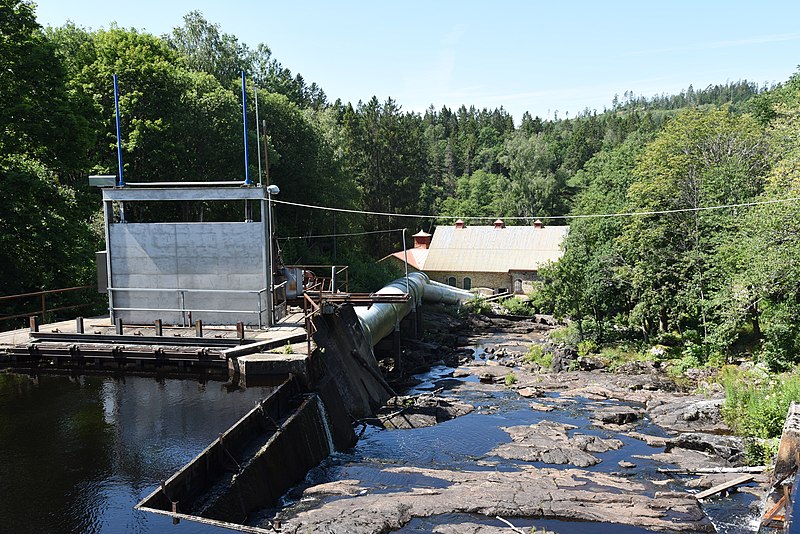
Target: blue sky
column 539, row 56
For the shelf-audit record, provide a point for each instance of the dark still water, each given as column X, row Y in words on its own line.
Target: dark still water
column 76, row 454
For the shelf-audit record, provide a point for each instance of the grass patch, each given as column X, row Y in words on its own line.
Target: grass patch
column 536, row 354
column 615, row 356
column 755, row 407
column 510, row 379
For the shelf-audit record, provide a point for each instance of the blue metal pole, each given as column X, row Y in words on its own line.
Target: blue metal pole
column 244, row 117
column 121, row 182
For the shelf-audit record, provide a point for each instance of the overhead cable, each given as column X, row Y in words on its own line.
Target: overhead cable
column 344, row 235
column 526, row 218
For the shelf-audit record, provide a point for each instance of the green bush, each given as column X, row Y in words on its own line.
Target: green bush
column 781, row 346
column 536, row 354
column 756, row 405
column 587, row 347
column 683, row 364
column 478, row 305
column 567, row 335
column 670, row 339
column 510, row 379
column 517, row 306
column 760, row 451
column 616, row 356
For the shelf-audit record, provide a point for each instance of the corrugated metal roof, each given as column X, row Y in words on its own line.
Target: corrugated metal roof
column 494, row 250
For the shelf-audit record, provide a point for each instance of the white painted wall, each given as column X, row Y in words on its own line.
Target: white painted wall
column 207, row 256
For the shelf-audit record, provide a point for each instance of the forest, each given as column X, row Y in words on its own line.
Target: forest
column 710, row 285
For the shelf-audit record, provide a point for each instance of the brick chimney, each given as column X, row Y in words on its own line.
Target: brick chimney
column 498, row 224
column 422, row 239
column 538, row 224
column 460, row 224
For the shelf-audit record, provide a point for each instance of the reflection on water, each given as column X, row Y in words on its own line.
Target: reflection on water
column 79, row 453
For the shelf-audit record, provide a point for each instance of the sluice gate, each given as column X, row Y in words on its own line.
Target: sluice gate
column 253, row 463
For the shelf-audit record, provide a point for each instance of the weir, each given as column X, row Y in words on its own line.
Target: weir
column 307, row 418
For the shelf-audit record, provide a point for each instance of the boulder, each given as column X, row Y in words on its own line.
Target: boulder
column 618, row 415
column 549, row 442
column 419, row 412
column 690, row 414
column 728, row 448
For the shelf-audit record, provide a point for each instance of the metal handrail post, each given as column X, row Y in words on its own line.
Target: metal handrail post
column 258, row 297
column 183, row 308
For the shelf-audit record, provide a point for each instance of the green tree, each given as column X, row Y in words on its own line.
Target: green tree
column 43, row 245
column 700, row 159
column 537, row 182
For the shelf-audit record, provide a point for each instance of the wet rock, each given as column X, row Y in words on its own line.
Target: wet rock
column 710, row 480
column 541, row 407
column 626, row 465
column 461, row 373
column 588, row 363
column 339, row 487
column 420, row 412
column 653, row 441
column 691, row 414
column 728, row 448
column 465, row 353
column 687, row 459
column 488, row 378
column 698, row 374
column 547, row 320
column 477, row 528
column 638, row 368
column 529, row 392
column 567, row 494
column 619, row 415
column 549, row 442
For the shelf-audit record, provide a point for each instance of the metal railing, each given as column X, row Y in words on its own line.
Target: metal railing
column 335, row 277
column 183, row 310
column 42, row 305
column 310, row 309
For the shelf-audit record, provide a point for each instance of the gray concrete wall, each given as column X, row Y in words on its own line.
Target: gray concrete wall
column 199, row 256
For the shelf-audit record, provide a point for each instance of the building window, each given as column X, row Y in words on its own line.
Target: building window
column 517, row 286
column 451, row 281
column 467, row 282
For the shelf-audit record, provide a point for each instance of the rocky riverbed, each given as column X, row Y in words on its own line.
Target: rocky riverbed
column 470, row 450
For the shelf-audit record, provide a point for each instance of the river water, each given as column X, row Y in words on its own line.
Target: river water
column 79, row 452
column 463, row 443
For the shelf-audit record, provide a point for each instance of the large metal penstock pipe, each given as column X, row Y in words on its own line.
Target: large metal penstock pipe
column 380, row 320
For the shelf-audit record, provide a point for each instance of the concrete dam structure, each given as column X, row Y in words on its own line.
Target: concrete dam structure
column 212, row 299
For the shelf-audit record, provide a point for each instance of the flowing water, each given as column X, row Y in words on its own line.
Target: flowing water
column 460, row 443
column 79, row 452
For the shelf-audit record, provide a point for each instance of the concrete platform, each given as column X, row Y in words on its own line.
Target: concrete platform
column 292, row 325
column 277, row 351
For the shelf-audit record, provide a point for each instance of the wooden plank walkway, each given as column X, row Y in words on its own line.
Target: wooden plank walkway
column 738, row 481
